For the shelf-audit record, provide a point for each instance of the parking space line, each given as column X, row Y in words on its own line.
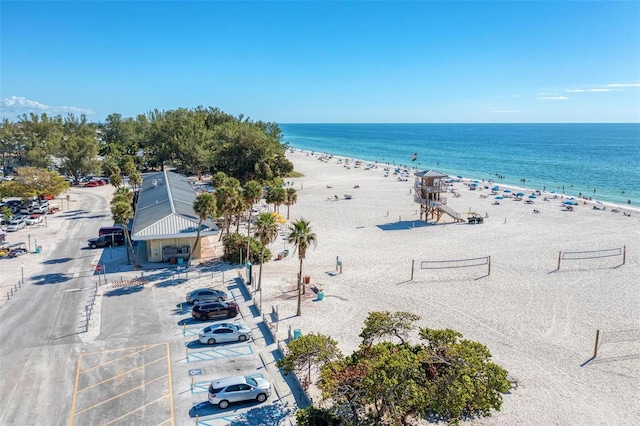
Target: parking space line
column 133, row 411
column 170, row 383
column 121, row 374
column 75, row 392
column 122, row 394
column 144, row 348
column 220, row 353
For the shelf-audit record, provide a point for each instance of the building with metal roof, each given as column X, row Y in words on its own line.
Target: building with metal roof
column 165, row 220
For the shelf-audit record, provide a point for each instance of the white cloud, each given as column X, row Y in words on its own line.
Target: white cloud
column 586, row 90
column 553, row 98
column 17, row 105
column 515, row 96
column 624, row 85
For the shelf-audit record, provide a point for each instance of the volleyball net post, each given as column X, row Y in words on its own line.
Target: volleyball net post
column 595, row 347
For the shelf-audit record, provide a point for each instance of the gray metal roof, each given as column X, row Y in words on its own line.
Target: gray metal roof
column 431, row 173
column 165, row 209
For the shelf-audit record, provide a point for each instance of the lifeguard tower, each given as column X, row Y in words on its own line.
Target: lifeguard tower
column 429, row 187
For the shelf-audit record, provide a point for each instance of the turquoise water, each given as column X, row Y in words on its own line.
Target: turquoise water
column 601, row 161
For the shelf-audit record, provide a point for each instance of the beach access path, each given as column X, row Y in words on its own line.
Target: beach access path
column 539, row 323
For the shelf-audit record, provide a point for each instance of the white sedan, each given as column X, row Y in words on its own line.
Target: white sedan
column 224, row 332
column 33, row 219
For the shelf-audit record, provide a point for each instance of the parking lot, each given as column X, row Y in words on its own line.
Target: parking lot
column 137, row 360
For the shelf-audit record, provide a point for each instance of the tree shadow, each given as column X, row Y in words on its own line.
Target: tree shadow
column 122, row 291
column 262, row 415
column 56, row 261
column 171, row 282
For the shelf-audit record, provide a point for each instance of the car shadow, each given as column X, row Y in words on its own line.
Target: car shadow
column 56, row 261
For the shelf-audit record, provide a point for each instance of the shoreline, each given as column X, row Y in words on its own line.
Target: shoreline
column 591, row 201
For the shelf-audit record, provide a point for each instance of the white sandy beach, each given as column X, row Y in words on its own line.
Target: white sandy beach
column 539, row 323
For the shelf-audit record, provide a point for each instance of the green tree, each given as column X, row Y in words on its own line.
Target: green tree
column 301, row 237
column 266, row 231
column 443, row 376
column 307, row 351
column 115, row 180
column 122, row 212
column 276, row 196
column 204, row 206
column 39, row 135
column 381, row 325
column 225, row 205
column 252, row 194
column 34, row 182
column 78, row 148
column 291, row 198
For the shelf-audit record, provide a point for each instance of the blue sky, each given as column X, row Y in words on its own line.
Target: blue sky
column 305, row 62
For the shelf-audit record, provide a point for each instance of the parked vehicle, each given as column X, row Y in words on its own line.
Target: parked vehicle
column 106, row 241
column 205, row 311
column 107, row 230
column 16, row 225
column 206, row 295
column 34, row 219
column 238, row 388
column 223, row 333
column 19, row 251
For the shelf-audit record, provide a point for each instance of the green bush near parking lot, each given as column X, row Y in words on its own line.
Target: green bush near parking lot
column 235, row 243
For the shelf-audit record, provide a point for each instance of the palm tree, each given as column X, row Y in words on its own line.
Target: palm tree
column 290, row 199
column 122, row 212
column 277, row 196
column 266, row 231
column 224, row 205
column 204, row 206
column 252, row 194
column 301, row 237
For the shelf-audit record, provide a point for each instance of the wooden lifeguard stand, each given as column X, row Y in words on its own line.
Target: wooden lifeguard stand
column 429, row 187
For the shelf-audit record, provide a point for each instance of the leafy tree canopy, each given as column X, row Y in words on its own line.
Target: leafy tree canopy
column 442, row 376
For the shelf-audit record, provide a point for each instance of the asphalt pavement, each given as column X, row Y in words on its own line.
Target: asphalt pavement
column 79, row 346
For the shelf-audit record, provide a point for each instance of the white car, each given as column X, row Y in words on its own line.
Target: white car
column 15, row 225
column 224, row 332
column 34, row 219
column 236, row 389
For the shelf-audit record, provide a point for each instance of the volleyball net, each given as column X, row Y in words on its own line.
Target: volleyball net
column 587, row 255
column 456, row 264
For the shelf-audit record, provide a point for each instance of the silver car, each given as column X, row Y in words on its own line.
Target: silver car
column 224, row 332
column 206, row 295
column 15, row 225
column 238, row 388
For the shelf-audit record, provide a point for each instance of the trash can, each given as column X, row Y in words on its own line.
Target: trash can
column 297, row 333
column 38, row 249
column 180, row 260
column 279, row 256
column 286, row 253
column 307, row 279
column 320, row 295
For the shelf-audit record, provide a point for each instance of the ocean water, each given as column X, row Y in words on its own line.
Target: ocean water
column 601, row 161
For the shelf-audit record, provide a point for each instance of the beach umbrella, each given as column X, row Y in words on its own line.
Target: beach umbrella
column 532, row 196
column 495, row 188
column 507, row 191
column 569, row 203
column 499, row 197
column 520, row 194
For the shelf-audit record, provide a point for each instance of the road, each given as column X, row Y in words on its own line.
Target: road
column 42, row 324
